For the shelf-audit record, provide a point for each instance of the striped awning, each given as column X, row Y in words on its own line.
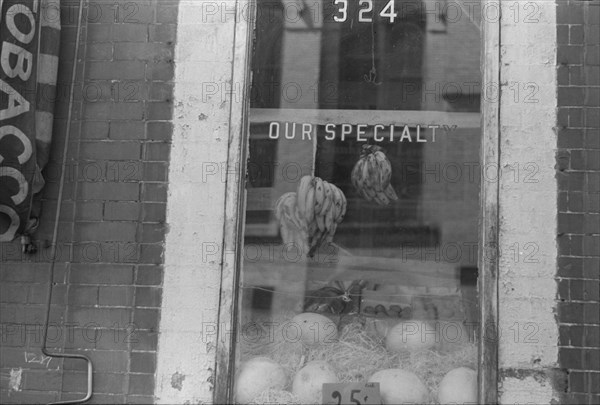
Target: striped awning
column 29, row 49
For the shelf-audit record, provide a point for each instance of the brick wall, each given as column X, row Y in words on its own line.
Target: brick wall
column 579, row 197
column 107, row 284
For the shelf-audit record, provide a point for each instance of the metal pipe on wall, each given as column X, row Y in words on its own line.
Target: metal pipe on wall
column 45, row 351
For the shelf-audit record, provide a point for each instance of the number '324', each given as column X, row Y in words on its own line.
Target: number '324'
column 365, row 12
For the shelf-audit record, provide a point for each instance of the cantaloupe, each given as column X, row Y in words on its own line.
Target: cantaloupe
column 257, row 375
column 399, row 386
column 313, row 328
column 308, row 381
column 459, row 386
column 412, row 336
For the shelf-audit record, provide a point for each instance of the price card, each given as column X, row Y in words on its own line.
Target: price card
column 351, row 394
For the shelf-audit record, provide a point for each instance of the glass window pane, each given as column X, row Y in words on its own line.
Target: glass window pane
column 363, row 179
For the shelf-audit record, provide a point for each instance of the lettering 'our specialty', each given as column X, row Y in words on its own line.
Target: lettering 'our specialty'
column 359, row 132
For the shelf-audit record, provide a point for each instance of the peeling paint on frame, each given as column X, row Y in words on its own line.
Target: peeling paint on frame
column 197, row 209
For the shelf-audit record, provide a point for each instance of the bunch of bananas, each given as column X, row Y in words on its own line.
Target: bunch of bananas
column 310, row 216
column 372, row 174
column 293, row 227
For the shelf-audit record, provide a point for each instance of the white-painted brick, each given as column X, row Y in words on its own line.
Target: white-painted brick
column 528, row 210
column 196, row 205
column 526, row 391
column 211, row 12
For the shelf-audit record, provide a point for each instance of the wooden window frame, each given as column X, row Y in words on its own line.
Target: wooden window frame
column 235, row 203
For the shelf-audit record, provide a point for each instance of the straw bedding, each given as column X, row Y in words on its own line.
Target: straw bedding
column 356, row 355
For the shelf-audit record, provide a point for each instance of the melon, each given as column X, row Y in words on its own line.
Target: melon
column 257, row 375
column 399, row 386
column 459, row 386
column 412, row 336
column 308, row 381
column 312, row 329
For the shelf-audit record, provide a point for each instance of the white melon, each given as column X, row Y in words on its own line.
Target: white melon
column 313, row 329
column 257, row 375
column 412, row 336
column 459, row 386
column 399, row 386
column 308, row 381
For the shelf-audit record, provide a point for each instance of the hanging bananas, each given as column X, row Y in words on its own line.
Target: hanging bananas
column 372, row 174
column 310, row 216
column 292, row 225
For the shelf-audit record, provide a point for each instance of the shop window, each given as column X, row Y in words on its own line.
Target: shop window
column 363, row 187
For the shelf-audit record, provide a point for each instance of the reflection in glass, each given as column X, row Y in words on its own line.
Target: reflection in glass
column 361, row 235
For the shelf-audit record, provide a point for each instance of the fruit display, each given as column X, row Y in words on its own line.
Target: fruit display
column 349, row 353
column 372, row 174
column 309, row 217
column 369, row 316
column 359, row 252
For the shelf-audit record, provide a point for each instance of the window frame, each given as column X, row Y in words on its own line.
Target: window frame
column 236, row 196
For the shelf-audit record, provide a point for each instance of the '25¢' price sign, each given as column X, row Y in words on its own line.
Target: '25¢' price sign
column 351, row 394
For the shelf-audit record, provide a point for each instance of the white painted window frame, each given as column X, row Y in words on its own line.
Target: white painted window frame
column 235, row 203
